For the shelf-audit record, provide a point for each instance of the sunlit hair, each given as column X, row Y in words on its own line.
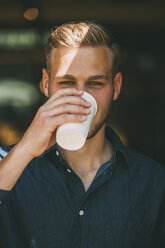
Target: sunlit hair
column 82, row 34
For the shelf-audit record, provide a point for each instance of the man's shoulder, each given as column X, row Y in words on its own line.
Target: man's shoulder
column 140, row 159
column 135, row 156
column 144, row 164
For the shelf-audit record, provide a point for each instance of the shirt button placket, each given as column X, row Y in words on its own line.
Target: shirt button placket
column 79, row 224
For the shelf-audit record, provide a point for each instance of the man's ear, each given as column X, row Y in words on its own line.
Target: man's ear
column 45, row 82
column 117, row 85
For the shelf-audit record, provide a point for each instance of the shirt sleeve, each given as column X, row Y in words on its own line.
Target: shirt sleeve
column 3, row 153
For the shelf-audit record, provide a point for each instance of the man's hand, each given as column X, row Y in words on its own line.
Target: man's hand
column 65, row 105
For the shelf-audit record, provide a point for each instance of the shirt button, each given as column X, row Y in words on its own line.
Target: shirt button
column 81, row 212
column 68, row 170
column 57, row 153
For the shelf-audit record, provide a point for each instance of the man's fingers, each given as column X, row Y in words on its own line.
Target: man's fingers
column 67, row 108
column 74, row 100
column 65, row 92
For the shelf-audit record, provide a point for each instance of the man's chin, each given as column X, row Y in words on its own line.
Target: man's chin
column 94, row 130
column 96, row 127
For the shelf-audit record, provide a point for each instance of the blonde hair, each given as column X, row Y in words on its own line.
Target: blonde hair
column 82, row 34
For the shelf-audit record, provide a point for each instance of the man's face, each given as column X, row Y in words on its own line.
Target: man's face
column 89, row 69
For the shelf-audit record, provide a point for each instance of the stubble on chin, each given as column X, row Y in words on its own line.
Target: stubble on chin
column 96, row 127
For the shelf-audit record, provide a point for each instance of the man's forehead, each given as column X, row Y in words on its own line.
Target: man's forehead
column 63, row 52
column 81, row 62
column 93, row 57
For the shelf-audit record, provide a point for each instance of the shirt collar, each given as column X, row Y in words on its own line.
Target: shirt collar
column 118, row 147
column 110, row 135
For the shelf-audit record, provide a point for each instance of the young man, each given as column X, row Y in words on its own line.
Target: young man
column 102, row 195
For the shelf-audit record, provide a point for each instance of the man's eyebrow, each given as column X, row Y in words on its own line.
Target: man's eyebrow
column 99, row 76
column 93, row 77
column 66, row 76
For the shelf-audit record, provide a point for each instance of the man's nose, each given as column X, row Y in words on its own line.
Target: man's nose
column 81, row 87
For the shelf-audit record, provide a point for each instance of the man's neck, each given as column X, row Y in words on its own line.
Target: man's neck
column 91, row 156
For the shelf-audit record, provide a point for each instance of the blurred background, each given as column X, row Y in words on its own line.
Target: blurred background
column 139, row 27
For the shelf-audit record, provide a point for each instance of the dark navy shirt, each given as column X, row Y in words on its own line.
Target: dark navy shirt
column 49, row 208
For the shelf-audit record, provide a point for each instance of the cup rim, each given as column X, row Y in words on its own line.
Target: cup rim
column 92, row 99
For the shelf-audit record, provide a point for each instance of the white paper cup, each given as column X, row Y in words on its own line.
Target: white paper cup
column 72, row 136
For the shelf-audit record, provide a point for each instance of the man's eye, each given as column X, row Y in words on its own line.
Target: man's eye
column 95, row 83
column 67, row 82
